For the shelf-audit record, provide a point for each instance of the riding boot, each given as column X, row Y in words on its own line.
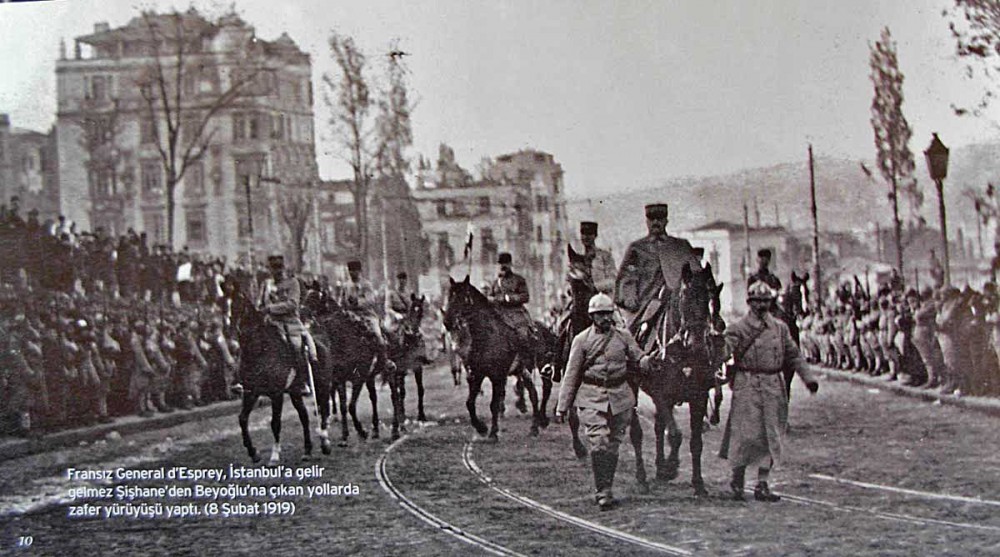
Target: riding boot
column 737, row 483
column 597, row 464
column 610, row 469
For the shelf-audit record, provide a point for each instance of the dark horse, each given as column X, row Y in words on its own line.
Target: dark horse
column 684, row 372
column 793, row 306
column 267, row 362
column 348, row 352
column 407, row 350
column 494, row 352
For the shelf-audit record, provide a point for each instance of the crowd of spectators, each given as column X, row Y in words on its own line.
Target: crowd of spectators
column 93, row 327
column 939, row 338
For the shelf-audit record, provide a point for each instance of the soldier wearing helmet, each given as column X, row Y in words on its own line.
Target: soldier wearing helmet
column 604, row 361
column 760, row 346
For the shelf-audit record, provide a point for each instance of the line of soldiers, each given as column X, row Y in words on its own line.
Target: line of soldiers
column 73, row 361
column 947, row 339
column 605, row 361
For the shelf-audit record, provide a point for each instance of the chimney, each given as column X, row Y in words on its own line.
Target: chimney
column 101, row 27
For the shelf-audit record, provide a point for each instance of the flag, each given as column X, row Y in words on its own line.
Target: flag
column 468, row 243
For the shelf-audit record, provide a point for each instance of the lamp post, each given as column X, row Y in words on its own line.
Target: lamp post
column 936, row 156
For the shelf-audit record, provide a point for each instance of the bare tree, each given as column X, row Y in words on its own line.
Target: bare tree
column 100, row 122
column 183, row 89
column 975, row 26
column 296, row 209
column 349, row 99
column 892, row 132
column 394, row 130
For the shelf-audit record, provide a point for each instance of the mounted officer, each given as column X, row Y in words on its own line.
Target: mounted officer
column 764, row 273
column 761, row 347
column 399, row 302
column 603, row 360
column 602, row 264
column 279, row 299
column 509, row 293
column 650, row 276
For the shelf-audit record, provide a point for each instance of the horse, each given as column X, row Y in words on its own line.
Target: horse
column 793, row 306
column 266, row 363
column 348, row 352
column 407, row 350
column 456, row 344
column 494, row 352
column 684, row 372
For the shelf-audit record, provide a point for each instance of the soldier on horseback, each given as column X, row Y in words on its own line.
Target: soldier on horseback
column 602, row 264
column 650, row 276
column 509, row 293
column 399, row 303
column 279, row 300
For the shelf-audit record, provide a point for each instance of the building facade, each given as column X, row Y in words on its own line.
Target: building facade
column 29, row 170
column 517, row 206
column 257, row 139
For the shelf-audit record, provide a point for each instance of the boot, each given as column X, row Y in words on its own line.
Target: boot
column 763, row 493
column 737, row 483
column 597, row 464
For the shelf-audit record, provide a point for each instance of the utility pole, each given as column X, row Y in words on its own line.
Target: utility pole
column 816, row 270
column 746, row 234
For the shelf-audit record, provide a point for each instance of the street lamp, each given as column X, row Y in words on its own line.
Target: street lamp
column 936, row 156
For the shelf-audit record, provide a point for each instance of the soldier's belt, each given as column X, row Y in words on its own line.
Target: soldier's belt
column 755, row 371
column 601, row 382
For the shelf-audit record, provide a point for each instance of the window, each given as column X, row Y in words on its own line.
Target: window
column 254, row 126
column 155, row 226
column 102, row 182
column 247, row 170
column 189, row 127
column 147, row 130
column 196, row 229
column 445, row 255
column 558, row 211
column 151, row 178
column 558, row 237
column 484, row 205
column 541, row 203
column 239, row 127
column 442, row 208
column 278, row 126
column 488, row 253
column 97, row 87
column 538, row 234
column 194, row 180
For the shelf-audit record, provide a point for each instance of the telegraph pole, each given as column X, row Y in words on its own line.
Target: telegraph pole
column 816, row 270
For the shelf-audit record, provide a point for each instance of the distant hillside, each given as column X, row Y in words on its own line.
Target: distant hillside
column 848, row 200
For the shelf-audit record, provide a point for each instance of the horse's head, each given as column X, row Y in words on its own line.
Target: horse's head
column 698, row 299
column 463, row 298
column 414, row 315
column 579, row 266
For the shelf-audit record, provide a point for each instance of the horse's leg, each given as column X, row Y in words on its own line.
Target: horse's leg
column 356, row 387
column 697, row 408
column 529, row 385
column 324, row 397
column 475, row 385
column 635, row 436
column 716, row 404
column 277, row 401
column 418, row 377
column 519, row 391
column 574, row 428
column 401, row 390
column 499, row 386
column 342, row 395
column 546, row 393
column 249, row 401
column 373, row 398
column 300, row 407
column 665, row 417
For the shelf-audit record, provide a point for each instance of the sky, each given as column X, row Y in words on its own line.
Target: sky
column 624, row 94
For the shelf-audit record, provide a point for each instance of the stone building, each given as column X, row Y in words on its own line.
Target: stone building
column 260, row 137
column 517, row 206
column 28, row 169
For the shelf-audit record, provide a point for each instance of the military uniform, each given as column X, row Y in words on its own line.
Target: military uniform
column 597, row 384
column 758, row 417
column 603, row 270
column 510, row 292
column 280, row 300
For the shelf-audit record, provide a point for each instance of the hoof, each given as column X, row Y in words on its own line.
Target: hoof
column 375, row 434
column 395, row 436
column 714, row 420
column 580, row 450
column 521, row 407
column 342, row 444
column 422, row 417
column 326, row 448
column 493, row 438
column 534, row 431
column 363, row 435
column 700, row 491
column 306, row 457
column 642, row 488
column 543, row 422
column 482, row 430
column 255, row 457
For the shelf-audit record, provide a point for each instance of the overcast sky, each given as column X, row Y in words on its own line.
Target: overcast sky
column 625, row 94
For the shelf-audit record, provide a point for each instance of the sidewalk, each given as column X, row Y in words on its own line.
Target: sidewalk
column 986, row 405
column 16, row 447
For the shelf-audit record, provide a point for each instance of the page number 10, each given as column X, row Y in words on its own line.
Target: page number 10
column 25, row 541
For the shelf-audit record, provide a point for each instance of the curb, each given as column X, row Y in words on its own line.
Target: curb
column 17, row 448
column 986, row 405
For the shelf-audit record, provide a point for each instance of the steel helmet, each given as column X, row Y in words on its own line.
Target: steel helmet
column 599, row 303
column 761, row 291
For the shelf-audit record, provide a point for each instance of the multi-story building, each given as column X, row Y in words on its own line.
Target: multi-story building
column 28, row 169
column 517, row 207
column 258, row 138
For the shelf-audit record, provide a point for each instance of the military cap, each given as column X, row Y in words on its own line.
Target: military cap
column 401, row 275
column 764, row 253
column 504, row 259
column 588, row 228
column 275, row 259
column 354, row 265
column 698, row 252
column 657, row 211
column 600, row 303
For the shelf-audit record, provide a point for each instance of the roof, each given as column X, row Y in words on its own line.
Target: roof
column 135, row 29
column 735, row 227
